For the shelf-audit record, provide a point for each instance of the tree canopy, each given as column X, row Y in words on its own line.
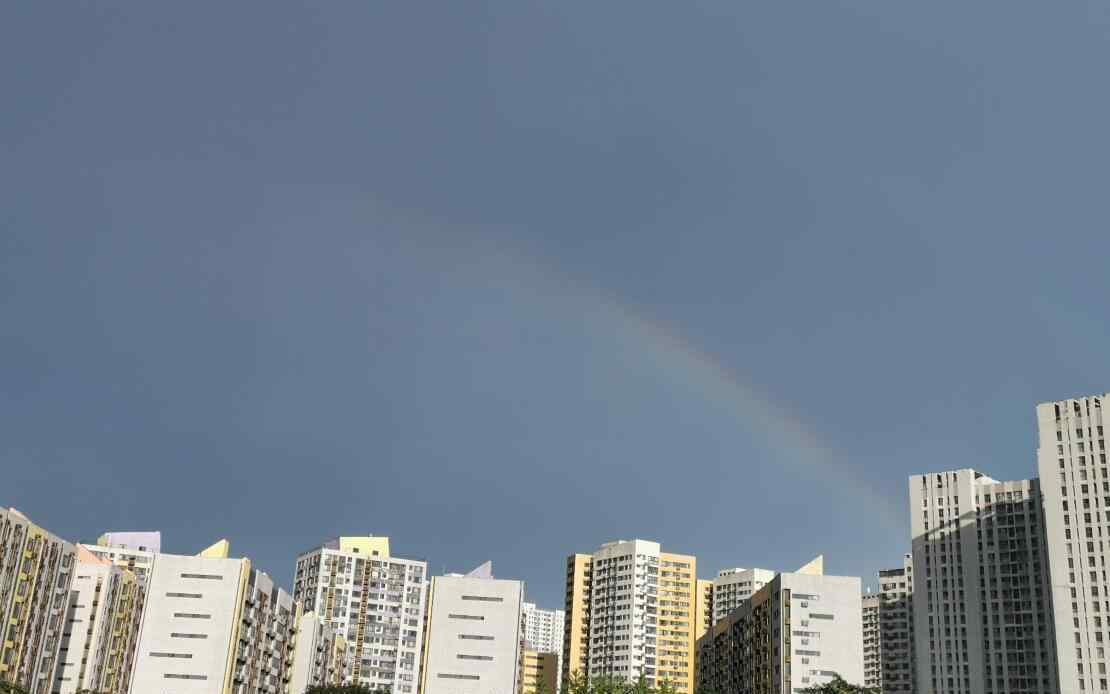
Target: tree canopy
column 837, row 685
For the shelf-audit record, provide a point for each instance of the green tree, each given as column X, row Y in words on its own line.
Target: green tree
column 9, row 688
column 838, row 686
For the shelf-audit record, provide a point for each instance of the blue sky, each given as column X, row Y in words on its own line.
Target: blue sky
column 505, row 280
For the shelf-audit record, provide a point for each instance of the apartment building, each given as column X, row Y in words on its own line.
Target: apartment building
column 543, row 629
column 133, row 551
column 576, row 623
column 36, row 572
column 318, row 655
column 101, row 628
column 872, row 643
column 1071, row 462
column 982, row 614
column 731, row 587
column 375, row 601
column 539, row 672
column 797, row 631
column 896, row 628
column 473, row 634
column 543, row 633
column 704, row 618
column 632, row 611
column 213, row 624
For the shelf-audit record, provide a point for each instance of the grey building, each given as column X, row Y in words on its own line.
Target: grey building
column 896, row 628
column 1071, row 460
column 981, row 607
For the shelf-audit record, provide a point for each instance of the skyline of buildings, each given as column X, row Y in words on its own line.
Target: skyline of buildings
column 1004, row 590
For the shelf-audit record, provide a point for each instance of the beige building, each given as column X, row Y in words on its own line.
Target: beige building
column 36, row 571
column 632, row 611
column 101, row 628
column 538, row 672
column 576, row 624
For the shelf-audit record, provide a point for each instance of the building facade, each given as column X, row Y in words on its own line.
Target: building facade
column 543, row 633
column 543, row 629
column 731, row 587
column 872, row 643
column 473, row 635
column 375, row 601
column 36, row 573
column 982, row 614
column 1071, row 462
column 539, row 672
column 797, row 631
column 317, row 656
column 213, row 624
column 576, row 623
column 632, row 611
column 101, row 630
column 133, row 551
column 896, row 628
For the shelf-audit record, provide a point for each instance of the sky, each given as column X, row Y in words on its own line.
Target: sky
column 507, row 280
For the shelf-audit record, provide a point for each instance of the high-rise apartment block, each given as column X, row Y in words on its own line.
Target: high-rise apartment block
column 543, row 633
column 474, row 634
column 872, row 645
column 318, row 655
column 539, row 671
column 704, row 618
column 982, row 614
column 576, row 623
column 632, row 612
column 101, row 628
column 732, row 587
column 212, row 624
column 797, row 631
column 1071, row 461
column 375, row 601
column 133, row 551
column 543, row 629
column 36, row 570
column 896, row 628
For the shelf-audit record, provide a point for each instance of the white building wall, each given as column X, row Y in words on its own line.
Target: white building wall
column 474, row 636
column 1072, row 464
column 185, row 640
column 82, row 627
column 311, row 654
column 828, row 610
